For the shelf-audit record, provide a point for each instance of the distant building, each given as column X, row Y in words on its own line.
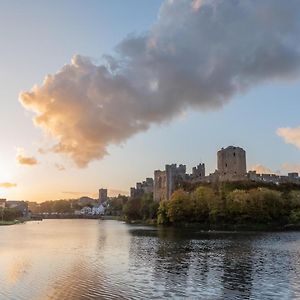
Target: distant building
column 98, row 210
column 21, row 206
column 86, row 210
column 91, row 211
column 232, row 164
column 103, row 195
column 145, row 187
column 2, row 203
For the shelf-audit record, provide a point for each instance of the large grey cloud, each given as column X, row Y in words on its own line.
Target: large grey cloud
column 199, row 54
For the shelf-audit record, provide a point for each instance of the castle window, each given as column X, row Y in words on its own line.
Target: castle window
column 234, row 154
column 226, row 165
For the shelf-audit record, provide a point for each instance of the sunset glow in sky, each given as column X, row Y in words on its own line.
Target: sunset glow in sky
column 101, row 93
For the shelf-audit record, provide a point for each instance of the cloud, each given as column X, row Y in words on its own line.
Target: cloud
column 261, row 169
column 26, row 160
column 60, row 167
column 198, row 55
column 291, row 167
column 196, row 4
column 7, row 185
column 290, row 135
column 115, row 193
column 111, row 192
column 80, row 194
column 73, row 193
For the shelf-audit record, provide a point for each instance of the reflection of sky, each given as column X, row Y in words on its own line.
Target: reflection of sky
column 77, row 259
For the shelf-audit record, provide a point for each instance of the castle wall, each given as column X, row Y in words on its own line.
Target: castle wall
column 145, row 187
column 160, row 186
column 165, row 182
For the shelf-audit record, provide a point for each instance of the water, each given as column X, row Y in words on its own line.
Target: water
column 91, row 259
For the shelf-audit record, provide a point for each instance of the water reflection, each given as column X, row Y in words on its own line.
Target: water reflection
column 90, row 259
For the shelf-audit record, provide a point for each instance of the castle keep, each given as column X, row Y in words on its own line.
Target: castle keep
column 232, row 164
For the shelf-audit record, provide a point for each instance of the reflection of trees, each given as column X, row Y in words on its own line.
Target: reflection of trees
column 173, row 261
column 163, row 256
column 184, row 263
column 238, row 267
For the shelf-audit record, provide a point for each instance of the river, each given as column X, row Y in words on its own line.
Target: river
column 94, row 259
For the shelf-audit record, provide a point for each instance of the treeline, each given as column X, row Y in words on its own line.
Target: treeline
column 211, row 206
column 56, row 206
column 141, row 208
column 9, row 214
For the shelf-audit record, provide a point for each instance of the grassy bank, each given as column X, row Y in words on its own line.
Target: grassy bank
column 6, row 223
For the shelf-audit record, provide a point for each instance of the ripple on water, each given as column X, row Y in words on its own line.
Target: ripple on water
column 89, row 259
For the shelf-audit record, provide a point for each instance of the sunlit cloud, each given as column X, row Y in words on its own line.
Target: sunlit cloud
column 79, row 194
column 261, row 169
column 26, row 160
column 290, row 135
column 196, row 4
column 7, row 185
column 199, row 55
column 74, row 193
column 291, row 167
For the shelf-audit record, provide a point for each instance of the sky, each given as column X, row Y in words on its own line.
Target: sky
column 140, row 84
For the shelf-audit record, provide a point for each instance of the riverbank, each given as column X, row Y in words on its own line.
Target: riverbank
column 7, row 223
column 218, row 227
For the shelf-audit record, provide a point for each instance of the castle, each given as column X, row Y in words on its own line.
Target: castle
column 231, row 166
column 145, row 187
column 166, row 181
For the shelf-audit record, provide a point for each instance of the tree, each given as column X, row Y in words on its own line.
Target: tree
column 236, row 204
column 148, row 207
column 132, row 209
column 162, row 214
column 10, row 214
column 201, row 199
column 179, row 207
column 265, row 205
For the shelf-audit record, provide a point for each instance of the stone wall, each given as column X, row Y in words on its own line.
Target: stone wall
column 145, row 187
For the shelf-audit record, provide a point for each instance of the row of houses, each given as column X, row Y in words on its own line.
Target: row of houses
column 93, row 207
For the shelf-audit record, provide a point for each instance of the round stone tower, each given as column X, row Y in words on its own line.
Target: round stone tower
column 232, row 164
